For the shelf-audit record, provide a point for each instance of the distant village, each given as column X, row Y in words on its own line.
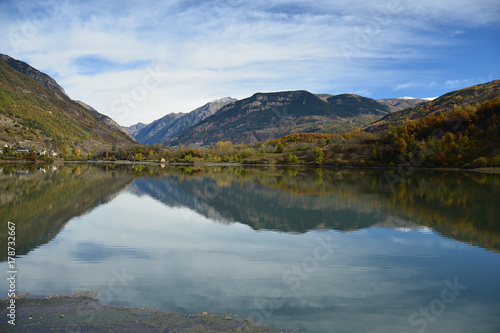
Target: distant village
column 23, row 151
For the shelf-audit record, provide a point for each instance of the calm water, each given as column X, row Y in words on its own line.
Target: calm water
column 314, row 250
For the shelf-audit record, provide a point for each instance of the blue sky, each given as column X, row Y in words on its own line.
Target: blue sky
column 139, row 60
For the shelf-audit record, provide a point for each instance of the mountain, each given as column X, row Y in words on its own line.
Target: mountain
column 396, row 104
column 167, row 127
column 36, row 75
column 446, row 103
column 355, row 105
column 35, row 111
column 266, row 116
column 134, row 128
column 148, row 133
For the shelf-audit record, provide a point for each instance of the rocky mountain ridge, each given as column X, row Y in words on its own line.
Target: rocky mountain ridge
column 36, row 75
column 167, row 127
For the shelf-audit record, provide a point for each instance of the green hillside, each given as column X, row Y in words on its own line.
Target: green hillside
column 448, row 102
column 464, row 136
column 33, row 115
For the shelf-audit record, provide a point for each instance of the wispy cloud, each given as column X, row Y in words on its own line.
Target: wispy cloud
column 448, row 84
column 100, row 51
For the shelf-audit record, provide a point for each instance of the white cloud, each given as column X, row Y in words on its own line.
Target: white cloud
column 448, row 84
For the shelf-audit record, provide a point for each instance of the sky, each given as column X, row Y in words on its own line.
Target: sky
column 137, row 61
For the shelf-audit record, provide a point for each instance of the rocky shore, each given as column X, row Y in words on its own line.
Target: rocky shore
column 81, row 312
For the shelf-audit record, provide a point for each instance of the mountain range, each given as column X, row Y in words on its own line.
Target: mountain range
column 266, row 116
column 35, row 111
column 167, row 127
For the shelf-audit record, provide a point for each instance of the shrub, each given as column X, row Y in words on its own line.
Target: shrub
column 479, row 162
column 318, row 155
column 290, row 158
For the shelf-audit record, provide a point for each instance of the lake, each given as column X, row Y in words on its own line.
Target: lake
column 313, row 250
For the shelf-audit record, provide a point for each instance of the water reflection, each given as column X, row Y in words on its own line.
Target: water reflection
column 42, row 199
column 459, row 205
column 323, row 250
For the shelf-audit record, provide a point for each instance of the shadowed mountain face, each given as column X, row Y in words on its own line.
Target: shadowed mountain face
column 150, row 134
column 134, row 128
column 461, row 206
column 353, row 106
column 163, row 129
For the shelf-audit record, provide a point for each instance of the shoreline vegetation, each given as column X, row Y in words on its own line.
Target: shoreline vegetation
column 229, row 164
column 82, row 311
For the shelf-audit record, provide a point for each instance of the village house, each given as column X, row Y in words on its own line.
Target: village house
column 23, row 150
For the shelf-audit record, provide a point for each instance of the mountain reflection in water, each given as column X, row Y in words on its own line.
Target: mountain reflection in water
column 459, row 205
